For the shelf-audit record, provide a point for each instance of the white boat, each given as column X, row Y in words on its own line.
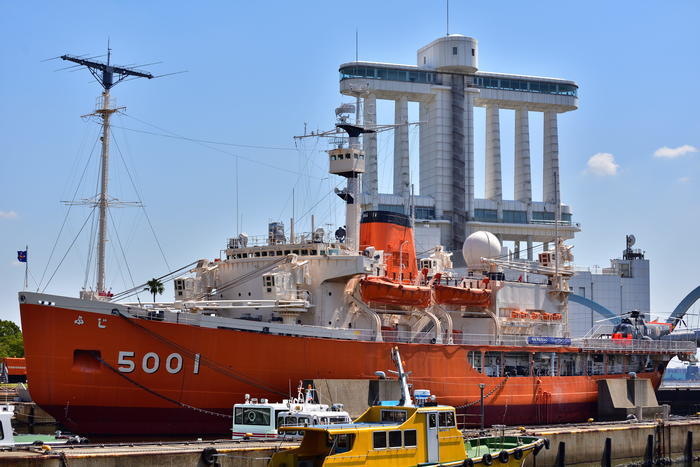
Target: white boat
column 262, row 419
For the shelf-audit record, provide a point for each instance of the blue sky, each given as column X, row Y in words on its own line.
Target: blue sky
column 257, row 71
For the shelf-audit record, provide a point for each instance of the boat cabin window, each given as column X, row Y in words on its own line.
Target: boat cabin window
column 398, row 416
column 595, row 364
column 341, row 443
column 493, row 363
column 340, row 419
column 447, row 419
column 545, row 364
column 516, row 364
column 571, row 364
column 395, row 439
column 379, row 440
column 474, row 359
column 432, row 420
column 409, row 438
column 252, row 416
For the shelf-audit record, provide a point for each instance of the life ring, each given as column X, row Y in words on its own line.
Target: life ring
column 251, row 416
column 468, row 462
column 503, row 456
column 518, row 453
column 487, row 459
column 209, row 456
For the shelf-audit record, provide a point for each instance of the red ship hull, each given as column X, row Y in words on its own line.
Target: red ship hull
column 176, row 368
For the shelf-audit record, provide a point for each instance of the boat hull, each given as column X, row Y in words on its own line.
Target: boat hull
column 178, row 377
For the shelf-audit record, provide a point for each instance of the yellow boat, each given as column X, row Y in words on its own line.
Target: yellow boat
column 403, row 434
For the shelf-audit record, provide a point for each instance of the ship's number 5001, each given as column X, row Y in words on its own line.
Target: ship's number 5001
column 150, row 363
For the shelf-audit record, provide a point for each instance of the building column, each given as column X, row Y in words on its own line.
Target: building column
column 550, row 162
column 516, row 249
column 369, row 144
column 529, row 248
column 493, row 182
column 469, row 95
column 523, row 177
column 402, row 177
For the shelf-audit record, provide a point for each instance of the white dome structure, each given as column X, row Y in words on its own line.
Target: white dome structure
column 479, row 245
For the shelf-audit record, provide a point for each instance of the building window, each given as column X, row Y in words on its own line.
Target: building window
column 425, row 213
column 454, row 50
column 473, row 52
column 486, row 215
column 582, row 291
column 515, row 217
column 424, row 60
column 392, row 208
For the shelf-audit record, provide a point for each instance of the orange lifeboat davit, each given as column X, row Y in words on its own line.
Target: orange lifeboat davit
column 376, row 289
column 461, row 296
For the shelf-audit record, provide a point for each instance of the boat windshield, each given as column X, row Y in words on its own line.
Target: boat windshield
column 252, row 416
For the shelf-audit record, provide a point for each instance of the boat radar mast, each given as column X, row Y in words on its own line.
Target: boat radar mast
column 105, row 74
column 350, row 163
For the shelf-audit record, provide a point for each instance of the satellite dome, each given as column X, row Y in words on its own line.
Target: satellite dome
column 479, row 245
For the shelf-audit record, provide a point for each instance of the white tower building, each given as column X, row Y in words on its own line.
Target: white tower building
column 447, row 84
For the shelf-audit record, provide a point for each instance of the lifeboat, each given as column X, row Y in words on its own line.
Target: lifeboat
column 383, row 290
column 461, row 296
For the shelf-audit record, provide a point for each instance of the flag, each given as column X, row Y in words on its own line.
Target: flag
column 22, row 256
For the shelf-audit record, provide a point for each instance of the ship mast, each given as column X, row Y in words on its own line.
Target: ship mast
column 104, row 73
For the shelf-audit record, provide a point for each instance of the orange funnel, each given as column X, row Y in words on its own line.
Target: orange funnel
column 392, row 233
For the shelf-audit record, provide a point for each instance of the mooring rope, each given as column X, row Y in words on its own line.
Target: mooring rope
column 157, row 394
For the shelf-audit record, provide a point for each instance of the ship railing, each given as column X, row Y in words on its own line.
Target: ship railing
column 430, row 338
column 264, row 240
column 635, row 345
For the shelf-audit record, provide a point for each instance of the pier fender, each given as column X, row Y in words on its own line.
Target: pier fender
column 503, row 456
column 468, row 462
column 209, row 456
column 518, row 453
column 487, row 459
column 546, row 443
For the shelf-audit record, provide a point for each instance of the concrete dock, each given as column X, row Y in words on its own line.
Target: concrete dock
column 581, row 444
column 196, row 453
column 584, row 444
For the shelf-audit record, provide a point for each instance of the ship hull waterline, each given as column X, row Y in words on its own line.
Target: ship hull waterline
column 73, row 373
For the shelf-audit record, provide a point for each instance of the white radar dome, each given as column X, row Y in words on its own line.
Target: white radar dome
column 480, row 245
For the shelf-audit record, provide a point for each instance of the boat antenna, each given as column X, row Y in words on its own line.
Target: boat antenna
column 403, row 381
column 108, row 76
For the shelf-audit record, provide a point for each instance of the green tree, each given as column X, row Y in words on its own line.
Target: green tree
column 11, row 343
column 155, row 287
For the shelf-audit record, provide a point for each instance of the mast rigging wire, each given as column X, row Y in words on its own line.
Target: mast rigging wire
column 208, row 146
column 138, row 195
column 69, row 248
column 65, row 219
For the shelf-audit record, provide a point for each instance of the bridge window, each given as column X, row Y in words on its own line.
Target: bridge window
column 447, row 419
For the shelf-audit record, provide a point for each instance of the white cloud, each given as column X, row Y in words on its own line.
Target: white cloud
column 672, row 153
column 7, row 214
column 684, row 179
column 602, row 164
